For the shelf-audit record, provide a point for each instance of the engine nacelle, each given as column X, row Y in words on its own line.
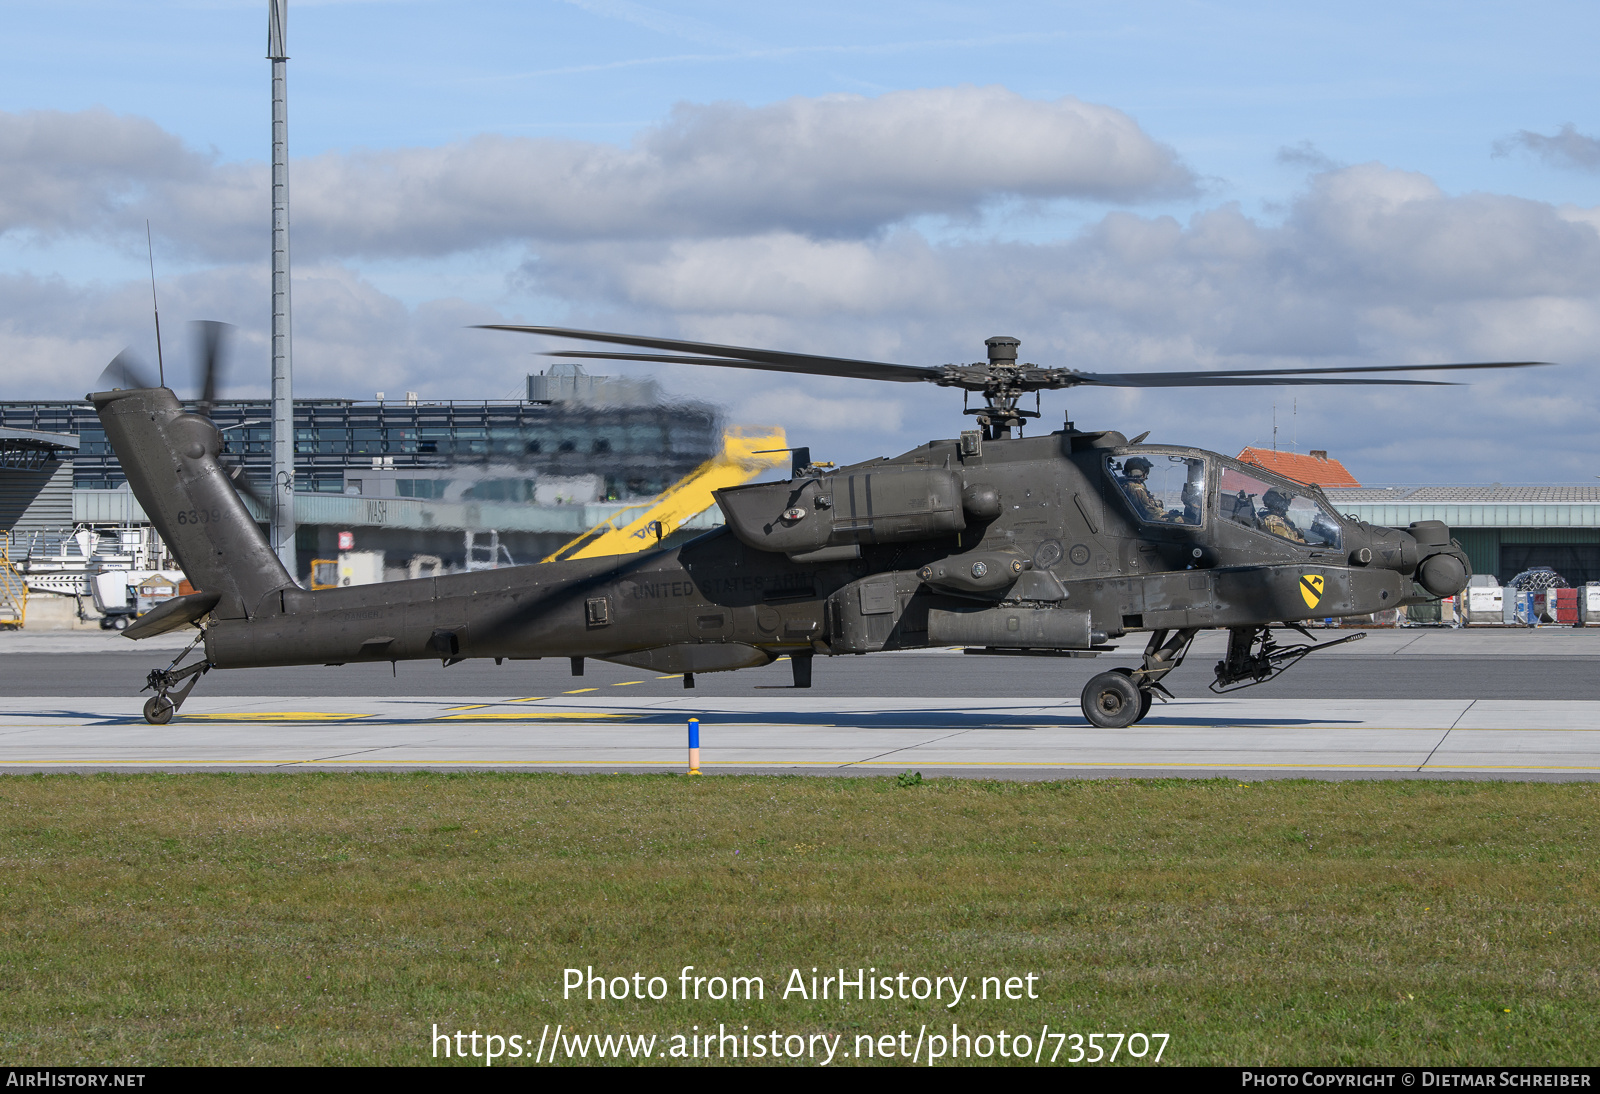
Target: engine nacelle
column 888, row 504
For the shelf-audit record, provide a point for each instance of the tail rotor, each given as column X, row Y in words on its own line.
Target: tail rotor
column 128, row 371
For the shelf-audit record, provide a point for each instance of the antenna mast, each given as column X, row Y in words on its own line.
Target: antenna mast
column 150, row 249
column 282, row 527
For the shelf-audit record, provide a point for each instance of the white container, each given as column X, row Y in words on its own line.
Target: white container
column 1484, row 605
column 360, row 567
column 1589, row 605
column 110, row 591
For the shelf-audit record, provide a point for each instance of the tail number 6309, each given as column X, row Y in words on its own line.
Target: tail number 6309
column 199, row 516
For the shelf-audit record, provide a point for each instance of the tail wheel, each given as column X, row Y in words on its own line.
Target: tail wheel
column 158, row 710
column 1113, row 701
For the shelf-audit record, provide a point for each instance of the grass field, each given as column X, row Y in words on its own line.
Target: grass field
column 338, row 918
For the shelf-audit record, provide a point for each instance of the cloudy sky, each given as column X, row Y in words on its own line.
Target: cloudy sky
column 1162, row 185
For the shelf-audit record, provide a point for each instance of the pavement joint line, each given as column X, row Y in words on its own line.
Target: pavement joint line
column 337, row 757
column 1447, row 733
column 1406, row 645
column 893, row 751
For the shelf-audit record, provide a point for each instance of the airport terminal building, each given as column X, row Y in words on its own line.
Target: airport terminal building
column 407, row 476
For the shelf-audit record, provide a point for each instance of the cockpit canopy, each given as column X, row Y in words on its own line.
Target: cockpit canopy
column 1276, row 506
column 1162, row 487
column 1171, row 488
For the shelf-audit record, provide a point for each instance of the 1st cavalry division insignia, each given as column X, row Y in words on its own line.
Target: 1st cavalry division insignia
column 1311, row 589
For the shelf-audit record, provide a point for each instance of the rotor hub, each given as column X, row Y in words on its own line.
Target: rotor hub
column 1002, row 350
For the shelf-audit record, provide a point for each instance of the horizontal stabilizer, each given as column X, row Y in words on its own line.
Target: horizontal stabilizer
column 178, row 612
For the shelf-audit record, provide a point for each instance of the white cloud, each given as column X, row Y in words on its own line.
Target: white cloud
column 1371, row 265
column 785, row 226
column 837, row 166
column 1370, row 260
column 349, row 338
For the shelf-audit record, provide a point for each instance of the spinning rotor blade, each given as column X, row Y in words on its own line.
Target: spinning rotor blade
column 209, row 345
column 246, row 486
column 734, row 356
column 210, row 353
column 127, row 371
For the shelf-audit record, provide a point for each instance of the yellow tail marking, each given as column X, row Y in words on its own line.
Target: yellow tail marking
column 747, row 451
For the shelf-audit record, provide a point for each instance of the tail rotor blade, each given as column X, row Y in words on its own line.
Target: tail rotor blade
column 127, row 371
column 245, row 485
column 210, row 340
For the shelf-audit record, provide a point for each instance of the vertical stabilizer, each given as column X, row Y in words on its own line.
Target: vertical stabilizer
column 171, row 459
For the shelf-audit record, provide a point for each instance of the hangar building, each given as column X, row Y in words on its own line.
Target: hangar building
column 1504, row 529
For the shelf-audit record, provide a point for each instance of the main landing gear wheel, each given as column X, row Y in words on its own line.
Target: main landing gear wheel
column 1147, row 697
column 158, row 710
column 1113, row 701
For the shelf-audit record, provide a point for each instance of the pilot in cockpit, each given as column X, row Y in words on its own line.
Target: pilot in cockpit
column 1136, row 471
column 1275, row 516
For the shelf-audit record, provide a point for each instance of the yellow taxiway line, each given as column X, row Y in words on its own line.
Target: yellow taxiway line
column 835, row 764
column 288, row 716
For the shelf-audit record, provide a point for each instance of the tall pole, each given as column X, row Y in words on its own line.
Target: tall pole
column 282, row 527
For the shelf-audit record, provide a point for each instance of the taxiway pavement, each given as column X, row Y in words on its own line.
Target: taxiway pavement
column 1407, row 703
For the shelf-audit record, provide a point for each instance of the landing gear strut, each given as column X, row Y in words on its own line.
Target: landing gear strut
column 160, row 707
column 1121, row 697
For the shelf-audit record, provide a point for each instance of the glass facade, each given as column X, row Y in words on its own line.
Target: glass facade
column 504, row 447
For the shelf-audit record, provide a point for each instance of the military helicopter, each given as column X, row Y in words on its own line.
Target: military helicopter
column 1057, row 543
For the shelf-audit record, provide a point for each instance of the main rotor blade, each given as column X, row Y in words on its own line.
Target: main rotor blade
column 209, row 344
column 126, row 371
column 734, row 362
column 1136, row 377
column 738, row 356
column 1182, row 379
column 981, row 377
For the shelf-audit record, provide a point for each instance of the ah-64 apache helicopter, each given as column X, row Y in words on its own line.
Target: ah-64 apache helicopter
column 1053, row 543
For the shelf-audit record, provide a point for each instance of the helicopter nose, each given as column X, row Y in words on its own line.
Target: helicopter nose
column 1443, row 574
column 1422, row 551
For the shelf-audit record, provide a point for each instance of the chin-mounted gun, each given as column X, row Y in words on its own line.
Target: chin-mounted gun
column 1255, row 657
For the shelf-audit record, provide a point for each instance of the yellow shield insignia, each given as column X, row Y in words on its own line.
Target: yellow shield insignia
column 1311, row 589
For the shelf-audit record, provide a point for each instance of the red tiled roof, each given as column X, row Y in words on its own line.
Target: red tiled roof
column 1311, row 470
